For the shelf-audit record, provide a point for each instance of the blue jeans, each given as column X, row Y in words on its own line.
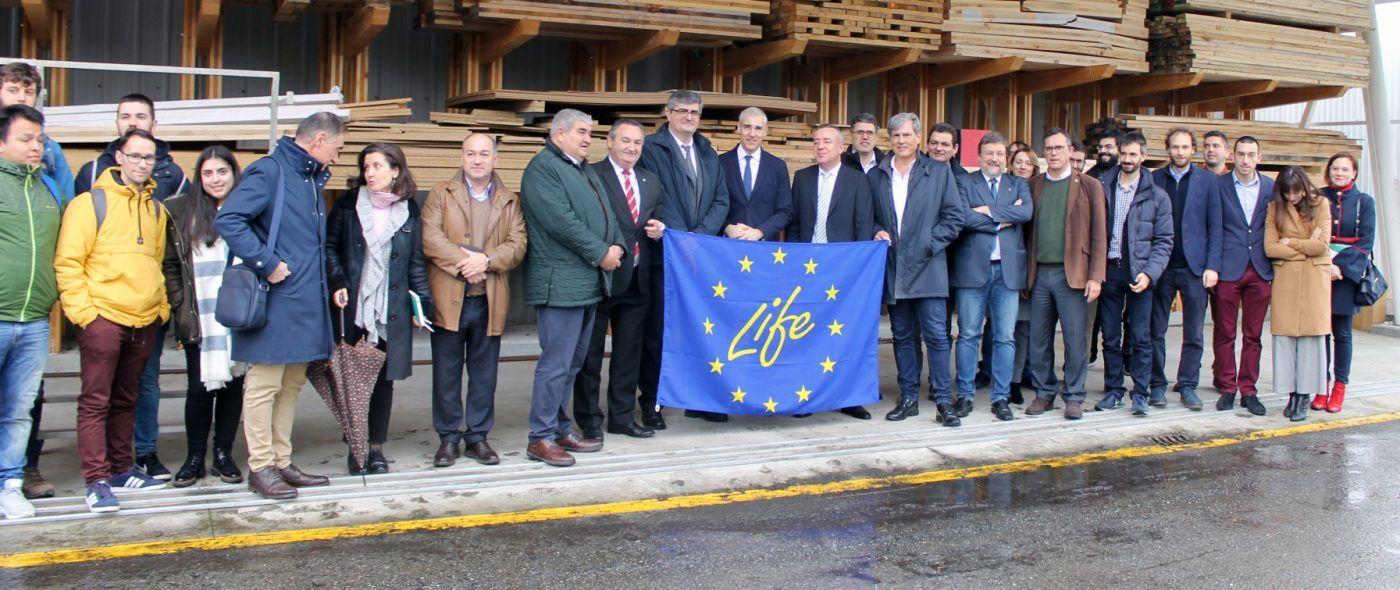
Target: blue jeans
column 973, row 305
column 1119, row 305
column 1193, row 326
column 24, row 348
column 148, row 400
column 909, row 317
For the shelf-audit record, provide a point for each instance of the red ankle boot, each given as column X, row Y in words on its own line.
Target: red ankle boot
column 1319, row 403
column 1339, row 394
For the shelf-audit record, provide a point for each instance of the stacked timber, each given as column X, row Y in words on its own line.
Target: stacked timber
column 698, row 21
column 1050, row 33
column 528, row 101
column 1280, row 144
column 1341, row 15
column 860, row 24
column 379, row 110
column 1223, row 48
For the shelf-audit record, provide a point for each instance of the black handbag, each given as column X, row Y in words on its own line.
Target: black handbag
column 1371, row 287
column 242, row 300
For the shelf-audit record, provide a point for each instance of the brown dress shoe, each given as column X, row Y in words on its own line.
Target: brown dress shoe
column 35, row 486
column 482, row 453
column 1037, row 407
column 1073, row 411
column 268, row 483
column 549, row 453
column 294, row 477
column 571, row 442
column 446, row 454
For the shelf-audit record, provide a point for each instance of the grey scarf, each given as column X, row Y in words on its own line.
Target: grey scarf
column 372, row 301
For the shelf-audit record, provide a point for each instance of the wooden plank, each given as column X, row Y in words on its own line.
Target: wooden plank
column 957, row 74
column 869, row 64
column 1028, row 83
column 38, row 15
column 620, row 54
column 737, row 61
column 494, row 45
column 207, row 23
column 1121, row 87
column 370, row 19
column 1220, row 90
column 1279, row 97
column 288, row 10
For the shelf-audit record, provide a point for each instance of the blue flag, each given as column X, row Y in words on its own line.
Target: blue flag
column 770, row 327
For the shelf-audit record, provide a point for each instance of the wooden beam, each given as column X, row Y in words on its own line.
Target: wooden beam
column 1122, row 87
column 1047, row 80
column 288, row 10
column 370, row 20
column 957, row 74
column 869, row 64
column 496, row 44
column 737, row 61
column 625, row 52
column 38, row 15
column 1283, row 96
column 207, row 23
column 1216, row 91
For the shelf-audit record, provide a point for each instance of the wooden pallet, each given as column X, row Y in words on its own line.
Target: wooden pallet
column 858, row 24
column 1337, row 15
column 729, row 20
column 1076, row 33
column 1234, row 49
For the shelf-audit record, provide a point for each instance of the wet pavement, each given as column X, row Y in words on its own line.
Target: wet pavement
column 1309, row 511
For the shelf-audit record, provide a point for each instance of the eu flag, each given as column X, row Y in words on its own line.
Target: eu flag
column 770, row 327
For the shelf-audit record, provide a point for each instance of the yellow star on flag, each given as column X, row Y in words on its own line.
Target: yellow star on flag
column 811, row 266
column 719, row 289
column 739, row 394
column 718, row 367
column 829, row 366
column 771, row 405
column 831, row 293
column 779, row 257
column 709, row 326
column 745, row 264
column 835, row 327
column 804, row 394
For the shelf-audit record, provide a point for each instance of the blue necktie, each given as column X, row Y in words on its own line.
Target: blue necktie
column 994, row 188
column 748, row 177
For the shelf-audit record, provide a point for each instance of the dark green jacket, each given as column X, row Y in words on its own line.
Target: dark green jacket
column 29, row 218
column 569, row 228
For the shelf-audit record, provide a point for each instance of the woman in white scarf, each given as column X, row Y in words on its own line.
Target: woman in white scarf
column 374, row 257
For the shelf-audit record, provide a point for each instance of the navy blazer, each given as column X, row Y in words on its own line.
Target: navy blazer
column 970, row 261
column 851, row 216
column 769, row 208
column 1195, row 217
column 1240, row 243
column 917, row 263
column 1353, row 216
column 647, row 189
column 682, row 208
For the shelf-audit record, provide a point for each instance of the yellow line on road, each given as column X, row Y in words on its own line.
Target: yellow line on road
column 19, row 560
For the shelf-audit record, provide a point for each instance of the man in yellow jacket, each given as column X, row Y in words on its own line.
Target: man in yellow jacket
column 110, row 248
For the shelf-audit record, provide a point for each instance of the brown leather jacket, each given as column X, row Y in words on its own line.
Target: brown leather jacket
column 1086, row 231
column 446, row 224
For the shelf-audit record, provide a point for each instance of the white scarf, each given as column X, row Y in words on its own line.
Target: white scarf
column 216, row 368
column 372, row 300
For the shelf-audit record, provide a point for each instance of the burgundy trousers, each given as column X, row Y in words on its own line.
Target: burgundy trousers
column 1249, row 295
column 112, row 357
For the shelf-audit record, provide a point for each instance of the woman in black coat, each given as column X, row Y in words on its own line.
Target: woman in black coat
column 374, row 257
column 1353, row 237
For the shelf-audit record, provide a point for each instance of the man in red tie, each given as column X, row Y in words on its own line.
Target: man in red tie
column 634, row 196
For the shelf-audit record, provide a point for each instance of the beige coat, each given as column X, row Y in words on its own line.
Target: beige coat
column 447, row 223
column 1302, row 289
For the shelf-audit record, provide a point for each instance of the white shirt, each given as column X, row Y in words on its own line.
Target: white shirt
column 866, row 166
column 1249, row 196
column 757, row 157
column 623, row 180
column 483, row 195
column 1068, row 170
column 826, row 186
column 687, row 147
column 900, row 189
column 987, row 181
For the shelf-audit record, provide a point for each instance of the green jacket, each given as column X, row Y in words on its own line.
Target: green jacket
column 569, row 228
column 29, row 217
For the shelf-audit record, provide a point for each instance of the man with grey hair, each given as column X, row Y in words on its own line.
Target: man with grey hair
column 761, row 197
column 918, row 210
column 695, row 198
column 863, row 155
column 574, row 247
column 284, row 186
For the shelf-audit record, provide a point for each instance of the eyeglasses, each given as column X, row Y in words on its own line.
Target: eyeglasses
column 865, row 132
column 686, row 112
column 146, row 159
column 1055, row 148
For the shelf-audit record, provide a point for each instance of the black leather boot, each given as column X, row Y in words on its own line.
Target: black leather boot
column 191, row 471
column 224, row 467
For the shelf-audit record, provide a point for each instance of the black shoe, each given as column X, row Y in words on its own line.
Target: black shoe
column 805, row 415
column 707, row 416
column 593, row 432
column 352, row 466
column 948, row 416
column 1002, row 411
column 447, row 454
column 1252, row 403
column 1226, row 402
column 982, row 380
column 225, row 468
column 1300, row 410
column 152, row 466
column 375, row 462
column 653, row 420
column 632, row 430
column 857, row 412
column 906, row 408
column 1291, row 406
column 191, row 471
column 1015, row 396
column 963, row 407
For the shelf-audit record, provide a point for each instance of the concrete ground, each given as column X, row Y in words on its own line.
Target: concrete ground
column 690, row 457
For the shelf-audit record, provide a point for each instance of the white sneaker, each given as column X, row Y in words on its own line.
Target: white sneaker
column 12, row 501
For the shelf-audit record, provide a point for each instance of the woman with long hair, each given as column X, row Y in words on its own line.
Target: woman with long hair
column 1353, row 237
column 1297, row 233
column 1024, row 163
column 374, row 257
column 195, row 257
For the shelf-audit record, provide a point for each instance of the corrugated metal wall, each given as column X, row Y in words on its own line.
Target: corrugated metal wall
column 10, row 19
column 253, row 42
column 128, row 32
column 405, row 61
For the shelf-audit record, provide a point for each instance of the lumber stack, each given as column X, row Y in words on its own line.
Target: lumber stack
column 1341, row 15
column 1280, row 144
column 697, row 20
column 1045, row 32
column 379, row 110
column 859, row 24
column 1223, row 48
column 528, row 101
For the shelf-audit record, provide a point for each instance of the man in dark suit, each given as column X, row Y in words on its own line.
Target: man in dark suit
column 944, row 145
column 694, row 198
column 831, row 203
column 1190, row 271
column 1241, row 201
column 862, row 153
column 634, row 197
column 989, row 262
column 760, row 203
